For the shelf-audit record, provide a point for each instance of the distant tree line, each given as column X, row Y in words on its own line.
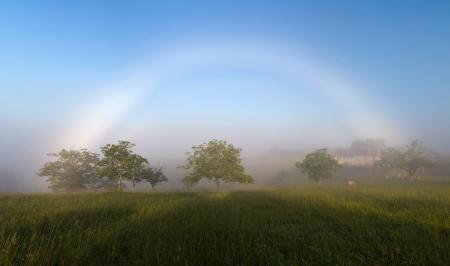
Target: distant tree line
column 77, row 170
column 407, row 162
column 216, row 160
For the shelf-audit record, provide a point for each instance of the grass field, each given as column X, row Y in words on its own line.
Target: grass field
column 314, row 225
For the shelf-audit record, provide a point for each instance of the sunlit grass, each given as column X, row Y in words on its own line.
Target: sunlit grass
column 315, row 225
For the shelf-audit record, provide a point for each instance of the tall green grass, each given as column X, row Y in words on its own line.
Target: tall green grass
column 318, row 225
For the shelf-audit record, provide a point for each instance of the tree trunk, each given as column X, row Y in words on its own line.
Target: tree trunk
column 218, row 184
column 120, row 183
column 132, row 185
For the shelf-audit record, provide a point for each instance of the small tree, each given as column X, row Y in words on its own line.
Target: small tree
column 115, row 163
column 216, row 160
column 410, row 159
column 390, row 159
column 154, row 176
column 136, row 167
column 318, row 165
column 73, row 170
column 415, row 159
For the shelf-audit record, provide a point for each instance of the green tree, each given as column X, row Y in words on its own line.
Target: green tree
column 318, row 165
column 217, row 161
column 117, row 163
column 390, row 159
column 136, row 168
column 409, row 159
column 154, row 176
column 73, row 170
column 415, row 159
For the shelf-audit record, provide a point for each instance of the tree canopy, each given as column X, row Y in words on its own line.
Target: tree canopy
column 136, row 165
column 216, row 160
column 116, row 162
column 73, row 170
column 409, row 159
column 154, row 176
column 318, row 165
column 81, row 169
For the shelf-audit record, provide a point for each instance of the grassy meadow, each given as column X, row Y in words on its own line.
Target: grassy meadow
column 372, row 225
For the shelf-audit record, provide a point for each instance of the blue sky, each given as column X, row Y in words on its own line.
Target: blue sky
column 57, row 57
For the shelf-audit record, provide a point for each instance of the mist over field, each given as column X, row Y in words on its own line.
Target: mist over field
column 288, row 77
column 257, row 96
column 246, row 132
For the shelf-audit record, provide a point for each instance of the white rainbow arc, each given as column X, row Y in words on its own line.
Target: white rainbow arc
column 103, row 112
